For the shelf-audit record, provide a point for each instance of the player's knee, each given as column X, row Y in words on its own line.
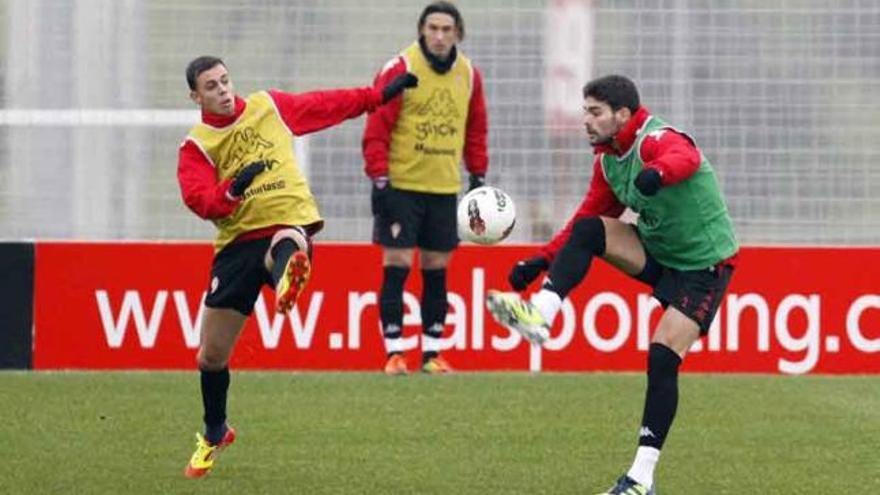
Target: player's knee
column 589, row 233
column 208, row 360
column 434, row 260
column 401, row 258
column 651, row 272
column 297, row 235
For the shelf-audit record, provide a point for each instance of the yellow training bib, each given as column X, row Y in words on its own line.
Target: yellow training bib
column 279, row 195
column 428, row 140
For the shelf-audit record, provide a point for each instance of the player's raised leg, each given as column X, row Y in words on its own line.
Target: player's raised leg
column 289, row 263
column 609, row 238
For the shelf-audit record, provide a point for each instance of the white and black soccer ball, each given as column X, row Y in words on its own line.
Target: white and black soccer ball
column 486, row 215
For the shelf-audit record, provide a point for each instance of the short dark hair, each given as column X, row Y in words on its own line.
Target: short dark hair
column 617, row 91
column 443, row 8
column 199, row 65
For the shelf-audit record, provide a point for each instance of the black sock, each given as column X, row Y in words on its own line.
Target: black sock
column 214, row 387
column 434, row 306
column 571, row 264
column 661, row 399
column 391, row 302
column 281, row 252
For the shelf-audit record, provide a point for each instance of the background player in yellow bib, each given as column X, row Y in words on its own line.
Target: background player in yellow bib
column 237, row 168
column 412, row 149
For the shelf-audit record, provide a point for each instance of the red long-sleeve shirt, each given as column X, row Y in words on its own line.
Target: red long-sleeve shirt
column 380, row 124
column 303, row 113
column 672, row 154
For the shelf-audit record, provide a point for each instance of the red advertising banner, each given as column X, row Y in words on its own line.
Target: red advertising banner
column 137, row 306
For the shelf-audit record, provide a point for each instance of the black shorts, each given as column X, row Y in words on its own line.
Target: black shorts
column 696, row 293
column 237, row 275
column 417, row 219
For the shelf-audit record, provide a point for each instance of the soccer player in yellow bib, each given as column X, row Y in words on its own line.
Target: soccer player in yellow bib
column 412, row 149
column 237, row 169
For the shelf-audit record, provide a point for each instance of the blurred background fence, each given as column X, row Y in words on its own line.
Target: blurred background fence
column 782, row 95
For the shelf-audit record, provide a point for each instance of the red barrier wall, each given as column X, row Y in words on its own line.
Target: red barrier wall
column 135, row 305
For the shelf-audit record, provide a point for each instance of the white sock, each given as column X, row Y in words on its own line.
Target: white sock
column 548, row 303
column 642, row 469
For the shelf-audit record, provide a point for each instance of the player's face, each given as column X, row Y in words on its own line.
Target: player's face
column 440, row 34
column 601, row 122
column 214, row 92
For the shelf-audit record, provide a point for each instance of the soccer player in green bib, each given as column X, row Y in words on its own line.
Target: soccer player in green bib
column 682, row 245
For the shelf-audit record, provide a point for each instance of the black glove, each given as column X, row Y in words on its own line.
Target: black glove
column 648, row 182
column 476, row 181
column 398, row 84
column 379, row 196
column 244, row 178
column 525, row 272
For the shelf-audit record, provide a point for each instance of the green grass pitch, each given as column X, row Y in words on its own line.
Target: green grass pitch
column 494, row 433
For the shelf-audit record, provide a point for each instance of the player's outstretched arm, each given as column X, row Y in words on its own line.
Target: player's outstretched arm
column 305, row 113
column 526, row 271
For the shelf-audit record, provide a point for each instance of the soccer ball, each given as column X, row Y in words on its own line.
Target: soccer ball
column 486, row 215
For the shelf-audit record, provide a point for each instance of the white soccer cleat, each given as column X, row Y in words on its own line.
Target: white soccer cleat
column 508, row 309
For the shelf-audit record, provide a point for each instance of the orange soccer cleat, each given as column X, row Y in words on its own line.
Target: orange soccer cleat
column 292, row 283
column 396, row 365
column 202, row 460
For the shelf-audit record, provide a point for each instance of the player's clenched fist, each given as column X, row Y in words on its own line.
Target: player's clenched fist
column 244, row 178
column 398, row 84
column 525, row 272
